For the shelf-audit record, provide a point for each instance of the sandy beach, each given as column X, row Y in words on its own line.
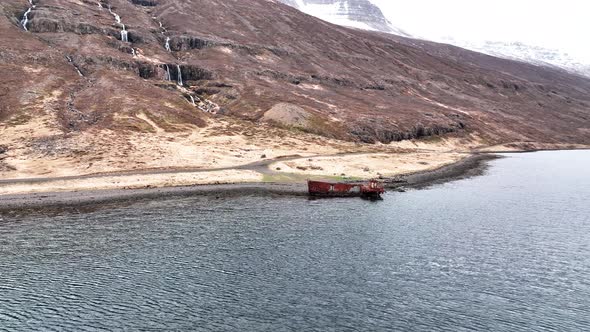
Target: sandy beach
column 37, row 160
column 227, row 157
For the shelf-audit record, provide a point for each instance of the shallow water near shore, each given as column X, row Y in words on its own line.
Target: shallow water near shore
column 506, row 251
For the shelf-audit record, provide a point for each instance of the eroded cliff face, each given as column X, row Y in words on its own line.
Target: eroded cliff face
column 112, row 64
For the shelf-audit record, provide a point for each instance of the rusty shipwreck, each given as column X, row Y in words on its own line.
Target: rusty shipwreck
column 371, row 190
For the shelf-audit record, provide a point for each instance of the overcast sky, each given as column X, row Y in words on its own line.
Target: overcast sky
column 563, row 24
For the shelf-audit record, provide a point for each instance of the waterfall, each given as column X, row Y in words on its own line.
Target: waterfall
column 133, row 52
column 162, row 29
column 124, row 35
column 168, row 76
column 167, row 45
column 179, row 75
column 99, row 5
column 25, row 19
column 71, row 61
column 193, row 100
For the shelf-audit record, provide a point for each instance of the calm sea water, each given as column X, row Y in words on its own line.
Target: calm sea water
column 507, row 251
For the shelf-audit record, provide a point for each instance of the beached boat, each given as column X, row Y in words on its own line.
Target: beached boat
column 372, row 189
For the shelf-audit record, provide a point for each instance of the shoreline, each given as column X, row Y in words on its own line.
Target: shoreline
column 92, row 199
column 473, row 165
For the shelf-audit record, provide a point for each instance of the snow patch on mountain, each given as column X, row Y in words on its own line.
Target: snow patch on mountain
column 360, row 14
column 532, row 54
column 336, row 13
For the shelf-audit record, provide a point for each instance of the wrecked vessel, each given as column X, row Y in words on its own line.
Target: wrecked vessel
column 372, row 189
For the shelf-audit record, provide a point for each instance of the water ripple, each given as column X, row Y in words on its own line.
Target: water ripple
column 509, row 251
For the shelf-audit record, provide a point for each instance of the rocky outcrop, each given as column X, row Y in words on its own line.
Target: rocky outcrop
column 45, row 24
column 186, row 43
column 146, row 3
column 317, row 79
column 150, row 70
column 376, row 133
column 289, row 115
column 159, row 71
column 195, row 73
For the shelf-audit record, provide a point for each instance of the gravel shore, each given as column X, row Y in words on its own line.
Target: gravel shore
column 91, row 199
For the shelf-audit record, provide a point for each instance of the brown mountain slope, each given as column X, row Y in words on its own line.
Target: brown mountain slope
column 76, row 99
column 372, row 86
column 248, row 56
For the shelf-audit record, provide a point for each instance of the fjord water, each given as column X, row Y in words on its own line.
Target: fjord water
column 506, row 251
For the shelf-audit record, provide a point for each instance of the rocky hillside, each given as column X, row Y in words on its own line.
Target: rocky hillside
column 363, row 14
column 123, row 64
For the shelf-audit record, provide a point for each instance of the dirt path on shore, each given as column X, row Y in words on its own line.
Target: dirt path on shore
column 259, row 166
column 282, row 169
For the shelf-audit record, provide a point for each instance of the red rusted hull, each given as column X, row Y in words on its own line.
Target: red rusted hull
column 373, row 189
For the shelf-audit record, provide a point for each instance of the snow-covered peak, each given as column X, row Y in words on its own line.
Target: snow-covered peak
column 537, row 55
column 361, row 14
